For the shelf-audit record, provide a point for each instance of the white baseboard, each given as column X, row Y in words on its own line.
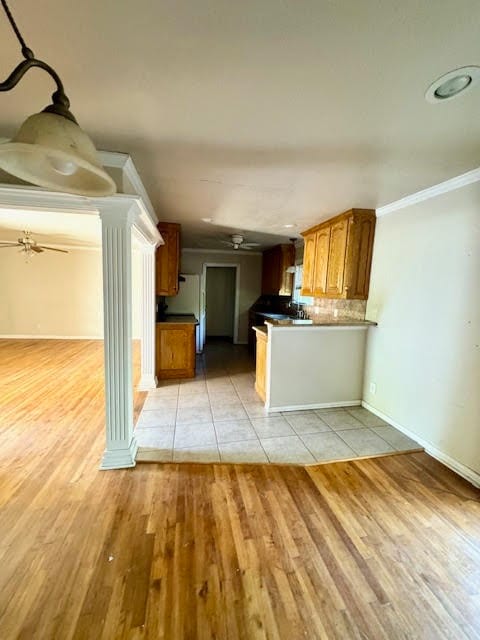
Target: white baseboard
column 324, row 405
column 25, row 336
column 469, row 474
column 147, row 382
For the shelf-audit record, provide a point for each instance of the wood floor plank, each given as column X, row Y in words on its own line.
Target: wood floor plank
column 381, row 548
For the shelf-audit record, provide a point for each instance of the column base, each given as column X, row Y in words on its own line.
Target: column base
column 120, row 458
column 147, row 382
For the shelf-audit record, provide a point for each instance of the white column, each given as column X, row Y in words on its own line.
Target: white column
column 147, row 378
column 121, row 446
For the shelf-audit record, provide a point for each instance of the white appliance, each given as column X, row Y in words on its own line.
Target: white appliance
column 187, row 301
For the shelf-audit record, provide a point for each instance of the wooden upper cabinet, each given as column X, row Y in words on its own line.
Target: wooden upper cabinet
column 275, row 279
column 359, row 259
column 308, row 265
column 338, row 256
column 322, row 245
column 168, row 259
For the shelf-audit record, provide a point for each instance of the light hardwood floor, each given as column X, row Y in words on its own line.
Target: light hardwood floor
column 384, row 548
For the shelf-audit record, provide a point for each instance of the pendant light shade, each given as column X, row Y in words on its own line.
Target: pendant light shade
column 53, row 152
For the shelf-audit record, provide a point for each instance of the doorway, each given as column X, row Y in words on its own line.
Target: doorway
column 220, row 291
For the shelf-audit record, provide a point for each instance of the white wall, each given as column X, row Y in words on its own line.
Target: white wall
column 57, row 294
column 425, row 294
column 250, row 278
column 312, row 366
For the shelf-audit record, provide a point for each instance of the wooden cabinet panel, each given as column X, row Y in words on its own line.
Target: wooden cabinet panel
column 168, row 259
column 360, row 257
column 261, row 365
column 322, row 247
column 275, row 279
column 336, row 257
column 309, row 265
column 175, row 350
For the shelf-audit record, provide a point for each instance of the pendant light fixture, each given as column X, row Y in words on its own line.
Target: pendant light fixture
column 50, row 149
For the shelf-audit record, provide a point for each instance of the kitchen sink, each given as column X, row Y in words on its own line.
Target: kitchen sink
column 276, row 316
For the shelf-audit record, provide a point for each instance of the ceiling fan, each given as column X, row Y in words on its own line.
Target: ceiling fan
column 238, row 242
column 29, row 246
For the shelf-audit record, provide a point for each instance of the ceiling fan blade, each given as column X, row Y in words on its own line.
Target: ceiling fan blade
column 9, row 244
column 251, row 244
column 37, row 249
column 230, row 244
column 43, row 247
column 6, row 246
column 245, row 247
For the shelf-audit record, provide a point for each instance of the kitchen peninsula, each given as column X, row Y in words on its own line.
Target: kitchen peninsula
column 175, row 347
column 310, row 364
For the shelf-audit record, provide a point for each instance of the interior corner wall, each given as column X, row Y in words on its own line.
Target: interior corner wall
column 424, row 356
column 250, row 278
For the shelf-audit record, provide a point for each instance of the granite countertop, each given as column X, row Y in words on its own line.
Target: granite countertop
column 179, row 319
column 327, row 321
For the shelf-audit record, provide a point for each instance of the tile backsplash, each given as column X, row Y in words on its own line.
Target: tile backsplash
column 353, row 309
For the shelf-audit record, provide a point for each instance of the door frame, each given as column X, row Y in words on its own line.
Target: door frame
column 203, row 288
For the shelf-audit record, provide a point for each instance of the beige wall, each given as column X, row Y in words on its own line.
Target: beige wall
column 250, row 278
column 57, row 294
column 424, row 356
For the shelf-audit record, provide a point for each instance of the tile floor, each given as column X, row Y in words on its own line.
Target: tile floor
column 218, row 417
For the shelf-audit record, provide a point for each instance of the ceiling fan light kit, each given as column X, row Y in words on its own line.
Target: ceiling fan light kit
column 50, row 149
column 29, row 246
column 237, row 241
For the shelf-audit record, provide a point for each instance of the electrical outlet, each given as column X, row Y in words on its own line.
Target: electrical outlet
column 373, row 388
column 335, row 313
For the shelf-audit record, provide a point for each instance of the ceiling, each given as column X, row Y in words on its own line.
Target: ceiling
column 71, row 229
column 259, row 114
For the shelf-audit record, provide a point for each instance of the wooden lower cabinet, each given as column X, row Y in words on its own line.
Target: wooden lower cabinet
column 175, row 350
column 261, row 364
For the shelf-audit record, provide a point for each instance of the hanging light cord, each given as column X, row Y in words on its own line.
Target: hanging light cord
column 60, row 103
column 25, row 49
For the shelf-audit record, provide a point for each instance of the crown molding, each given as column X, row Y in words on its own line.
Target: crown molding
column 431, row 192
column 230, row 252
column 123, row 161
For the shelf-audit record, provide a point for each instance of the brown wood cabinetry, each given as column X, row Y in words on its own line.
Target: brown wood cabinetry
column 275, row 279
column 175, row 350
column 261, row 364
column 309, row 270
column 168, row 259
column 320, row 251
column 338, row 256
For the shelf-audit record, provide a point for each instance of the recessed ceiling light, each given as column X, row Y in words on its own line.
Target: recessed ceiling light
column 289, row 226
column 207, row 219
column 451, row 84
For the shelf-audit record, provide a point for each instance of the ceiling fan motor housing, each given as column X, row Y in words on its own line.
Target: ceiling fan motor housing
column 237, row 239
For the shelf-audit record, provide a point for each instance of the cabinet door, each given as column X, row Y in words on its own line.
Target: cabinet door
column 308, row 265
column 322, row 246
column 261, row 369
column 270, row 268
column 359, row 256
column 285, row 278
column 168, row 260
column 336, row 257
column 175, row 351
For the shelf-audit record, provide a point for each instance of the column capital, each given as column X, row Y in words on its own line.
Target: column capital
column 119, row 215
